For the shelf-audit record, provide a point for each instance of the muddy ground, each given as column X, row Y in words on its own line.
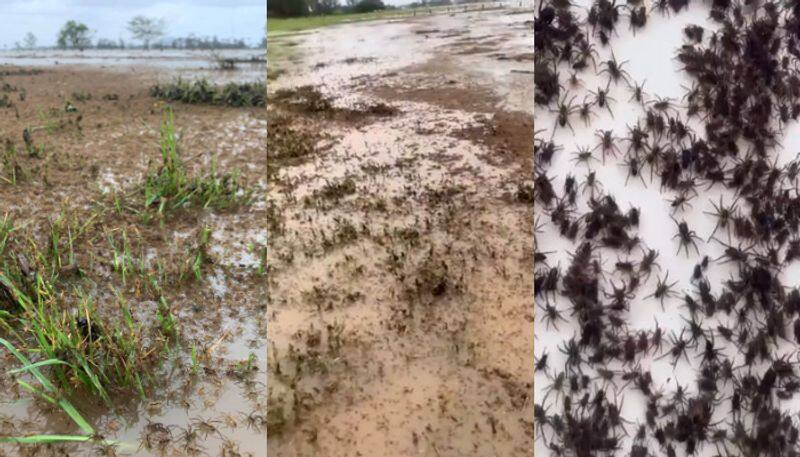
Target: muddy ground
column 400, row 238
column 86, row 161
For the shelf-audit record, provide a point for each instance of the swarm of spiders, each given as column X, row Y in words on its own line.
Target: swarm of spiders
column 739, row 335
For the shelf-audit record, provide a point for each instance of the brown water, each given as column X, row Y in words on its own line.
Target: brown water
column 401, row 309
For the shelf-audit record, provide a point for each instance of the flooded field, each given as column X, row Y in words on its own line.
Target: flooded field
column 400, row 222
column 249, row 64
column 133, row 250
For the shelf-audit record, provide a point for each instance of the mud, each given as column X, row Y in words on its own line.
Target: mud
column 95, row 155
column 400, row 315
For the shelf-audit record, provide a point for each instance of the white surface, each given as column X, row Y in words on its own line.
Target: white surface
column 650, row 56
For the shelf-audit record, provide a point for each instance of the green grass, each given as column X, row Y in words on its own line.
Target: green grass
column 11, row 169
column 169, row 187
column 49, row 393
column 278, row 26
column 52, row 319
column 202, row 92
column 199, row 256
column 298, row 24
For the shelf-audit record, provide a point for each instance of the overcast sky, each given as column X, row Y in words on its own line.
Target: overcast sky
column 108, row 18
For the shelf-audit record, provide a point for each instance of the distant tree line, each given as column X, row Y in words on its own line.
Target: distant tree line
column 190, row 42
column 148, row 32
column 300, row 8
column 432, row 3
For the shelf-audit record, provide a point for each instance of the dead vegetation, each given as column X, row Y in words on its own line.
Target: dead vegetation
column 310, row 100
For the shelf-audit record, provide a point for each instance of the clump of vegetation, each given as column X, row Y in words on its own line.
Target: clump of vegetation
column 203, row 92
column 10, row 165
column 310, row 100
column 336, row 190
column 48, row 392
column 288, row 145
column 305, row 99
column 81, row 96
column 199, row 255
column 169, row 187
column 44, row 315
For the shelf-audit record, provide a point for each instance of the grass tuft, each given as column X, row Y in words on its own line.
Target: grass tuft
column 169, row 187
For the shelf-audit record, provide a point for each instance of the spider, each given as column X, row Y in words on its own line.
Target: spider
column 663, row 290
column 680, row 202
column 602, row 99
column 663, row 105
column 545, row 150
column 585, row 51
column 592, row 184
column 574, row 81
column 565, row 109
column 614, row 70
column 686, row 237
column 648, row 262
column 572, row 351
column 606, row 144
column 634, row 167
column 637, row 93
column 540, row 363
column 734, row 254
column 723, row 215
column 679, row 348
column 637, row 18
column 620, row 296
column 583, row 155
column 585, row 111
column 636, row 139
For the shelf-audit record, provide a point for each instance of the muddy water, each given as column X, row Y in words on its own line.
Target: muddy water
column 494, row 49
column 400, row 317
column 219, row 408
column 188, row 64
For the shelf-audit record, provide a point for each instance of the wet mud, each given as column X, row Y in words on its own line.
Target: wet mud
column 401, row 312
column 79, row 141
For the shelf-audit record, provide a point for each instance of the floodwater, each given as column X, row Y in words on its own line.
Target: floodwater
column 220, row 408
column 493, row 49
column 187, row 64
column 400, row 293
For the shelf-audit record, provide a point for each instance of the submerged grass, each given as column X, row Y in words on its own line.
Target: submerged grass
column 203, row 92
column 48, row 316
column 48, row 392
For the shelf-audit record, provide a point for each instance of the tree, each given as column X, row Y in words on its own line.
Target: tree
column 146, row 29
column 29, row 42
column 74, row 35
column 366, row 6
column 321, row 7
column 288, row 8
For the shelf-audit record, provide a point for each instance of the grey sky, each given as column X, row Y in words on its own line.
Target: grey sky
column 108, row 18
